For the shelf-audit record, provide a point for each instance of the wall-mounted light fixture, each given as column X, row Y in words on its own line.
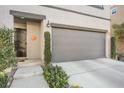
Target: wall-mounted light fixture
column 22, row 17
column 48, row 24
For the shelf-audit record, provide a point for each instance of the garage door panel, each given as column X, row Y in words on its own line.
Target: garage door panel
column 71, row 45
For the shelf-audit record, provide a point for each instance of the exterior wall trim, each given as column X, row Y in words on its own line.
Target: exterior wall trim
column 27, row 15
column 98, row 7
column 73, row 11
column 55, row 25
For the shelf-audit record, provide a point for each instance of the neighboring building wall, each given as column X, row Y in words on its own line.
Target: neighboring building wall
column 118, row 18
column 83, row 16
column 120, row 46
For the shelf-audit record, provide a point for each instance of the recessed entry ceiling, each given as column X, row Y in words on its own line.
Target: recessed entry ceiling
column 19, row 20
column 24, row 20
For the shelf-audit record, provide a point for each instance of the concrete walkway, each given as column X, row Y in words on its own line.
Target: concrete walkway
column 29, row 75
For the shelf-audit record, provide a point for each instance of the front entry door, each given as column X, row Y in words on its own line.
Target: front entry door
column 20, row 42
column 33, row 39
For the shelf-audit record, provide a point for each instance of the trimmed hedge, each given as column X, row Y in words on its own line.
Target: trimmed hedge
column 56, row 76
column 7, row 54
column 113, row 47
column 3, row 80
column 47, row 51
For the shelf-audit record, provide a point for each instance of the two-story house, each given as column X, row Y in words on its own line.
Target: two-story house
column 78, row 32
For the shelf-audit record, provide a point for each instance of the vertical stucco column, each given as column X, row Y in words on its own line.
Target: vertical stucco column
column 108, row 43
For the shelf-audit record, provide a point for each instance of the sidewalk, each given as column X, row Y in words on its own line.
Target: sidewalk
column 29, row 75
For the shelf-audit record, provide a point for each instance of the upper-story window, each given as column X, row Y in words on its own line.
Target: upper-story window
column 114, row 10
column 98, row 6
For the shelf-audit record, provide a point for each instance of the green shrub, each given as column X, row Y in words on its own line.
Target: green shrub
column 118, row 30
column 75, row 86
column 120, row 55
column 113, row 47
column 55, row 76
column 7, row 54
column 47, row 51
column 3, row 80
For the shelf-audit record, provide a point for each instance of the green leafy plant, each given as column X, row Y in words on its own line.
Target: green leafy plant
column 75, row 86
column 7, row 54
column 56, row 76
column 3, row 80
column 47, row 51
column 119, row 31
column 113, row 47
column 120, row 55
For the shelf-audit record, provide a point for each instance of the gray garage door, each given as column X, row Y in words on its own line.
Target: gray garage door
column 72, row 45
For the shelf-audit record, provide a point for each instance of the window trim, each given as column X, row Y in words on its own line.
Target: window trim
column 115, row 12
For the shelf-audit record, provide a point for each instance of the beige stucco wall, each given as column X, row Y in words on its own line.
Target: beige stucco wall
column 89, row 10
column 58, row 16
column 20, row 25
column 63, row 17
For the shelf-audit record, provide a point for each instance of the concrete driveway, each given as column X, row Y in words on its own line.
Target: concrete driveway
column 96, row 73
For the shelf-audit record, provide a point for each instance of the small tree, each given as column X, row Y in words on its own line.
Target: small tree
column 118, row 30
column 47, row 51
